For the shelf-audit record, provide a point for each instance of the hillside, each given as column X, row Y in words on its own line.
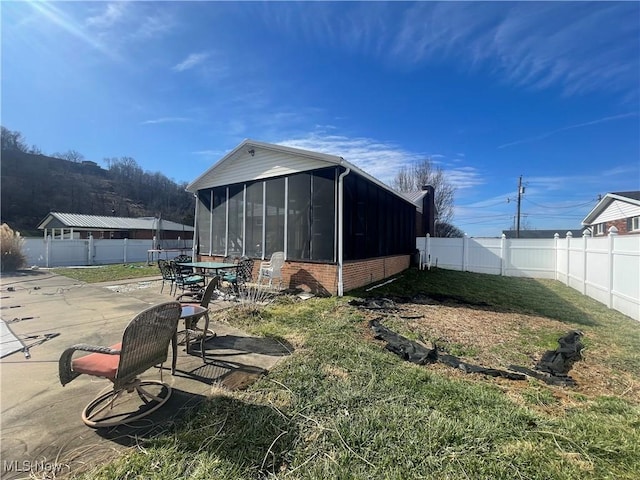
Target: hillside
column 34, row 185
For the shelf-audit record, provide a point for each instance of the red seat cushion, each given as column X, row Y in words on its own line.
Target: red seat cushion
column 98, row 364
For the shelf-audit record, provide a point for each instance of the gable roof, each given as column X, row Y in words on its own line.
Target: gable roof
column 253, row 160
column 631, row 198
column 98, row 222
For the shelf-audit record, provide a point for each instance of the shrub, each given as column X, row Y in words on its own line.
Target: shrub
column 11, row 244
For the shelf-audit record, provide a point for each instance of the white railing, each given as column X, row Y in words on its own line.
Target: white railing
column 606, row 269
column 48, row 252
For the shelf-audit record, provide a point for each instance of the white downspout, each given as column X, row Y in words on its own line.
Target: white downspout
column 196, row 237
column 340, row 229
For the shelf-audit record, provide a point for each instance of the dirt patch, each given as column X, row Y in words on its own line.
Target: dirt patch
column 498, row 339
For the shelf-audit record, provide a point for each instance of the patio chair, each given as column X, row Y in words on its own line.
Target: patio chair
column 185, row 279
column 272, row 269
column 184, row 259
column 168, row 275
column 205, row 297
column 242, row 274
column 145, row 343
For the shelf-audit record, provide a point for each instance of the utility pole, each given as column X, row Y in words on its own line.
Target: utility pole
column 520, row 192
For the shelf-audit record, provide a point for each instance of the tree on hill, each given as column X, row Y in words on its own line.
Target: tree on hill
column 13, row 140
column 34, row 185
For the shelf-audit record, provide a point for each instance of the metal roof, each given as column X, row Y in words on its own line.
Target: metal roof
column 98, row 222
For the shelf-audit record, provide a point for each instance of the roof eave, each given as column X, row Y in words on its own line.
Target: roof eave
column 604, row 203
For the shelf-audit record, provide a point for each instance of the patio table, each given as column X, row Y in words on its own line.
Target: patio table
column 190, row 314
column 215, row 266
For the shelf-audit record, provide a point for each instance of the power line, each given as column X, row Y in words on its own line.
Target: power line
column 554, row 207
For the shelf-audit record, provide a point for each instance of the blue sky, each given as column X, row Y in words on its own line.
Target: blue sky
column 488, row 91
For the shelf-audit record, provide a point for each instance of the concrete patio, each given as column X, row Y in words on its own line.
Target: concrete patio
column 41, row 428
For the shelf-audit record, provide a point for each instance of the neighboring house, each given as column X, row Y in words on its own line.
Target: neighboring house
column 618, row 209
column 543, row 233
column 338, row 227
column 73, row 225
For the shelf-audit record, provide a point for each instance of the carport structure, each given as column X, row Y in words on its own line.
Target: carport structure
column 339, row 227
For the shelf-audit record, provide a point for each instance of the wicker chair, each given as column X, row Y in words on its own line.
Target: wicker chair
column 190, row 327
column 272, row 269
column 145, row 343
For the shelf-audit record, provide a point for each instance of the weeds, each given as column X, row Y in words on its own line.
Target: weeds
column 11, row 249
column 343, row 407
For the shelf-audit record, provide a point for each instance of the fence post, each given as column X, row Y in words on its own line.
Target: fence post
column 427, row 243
column 124, row 245
column 90, row 250
column 613, row 231
column 556, row 236
column 503, row 254
column 585, row 235
column 465, row 252
column 569, row 237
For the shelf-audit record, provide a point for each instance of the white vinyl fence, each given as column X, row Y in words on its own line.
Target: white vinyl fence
column 604, row 268
column 63, row 253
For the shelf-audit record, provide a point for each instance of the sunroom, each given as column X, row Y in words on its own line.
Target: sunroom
column 339, row 227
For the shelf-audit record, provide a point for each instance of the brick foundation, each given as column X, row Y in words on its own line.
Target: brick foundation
column 322, row 278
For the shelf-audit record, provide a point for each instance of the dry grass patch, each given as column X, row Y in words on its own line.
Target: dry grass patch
column 498, row 339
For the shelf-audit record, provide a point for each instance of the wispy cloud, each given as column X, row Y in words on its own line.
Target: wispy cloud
column 68, row 23
column 110, row 15
column 570, row 127
column 379, row 159
column 533, row 45
column 153, row 25
column 166, row 120
column 464, row 177
column 383, row 160
column 191, row 61
column 209, row 153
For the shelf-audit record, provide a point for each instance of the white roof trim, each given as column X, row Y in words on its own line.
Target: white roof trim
column 196, row 185
column 604, row 203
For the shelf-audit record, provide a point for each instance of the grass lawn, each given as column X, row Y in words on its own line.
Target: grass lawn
column 344, row 407
column 106, row 273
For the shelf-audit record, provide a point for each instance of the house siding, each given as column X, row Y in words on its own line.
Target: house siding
column 264, row 164
column 617, row 210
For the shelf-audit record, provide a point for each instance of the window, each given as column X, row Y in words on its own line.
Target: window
column 323, row 214
column 274, row 231
column 204, row 221
column 250, row 218
column 236, row 211
column 365, row 234
column 253, row 220
column 298, row 208
column 635, row 223
column 219, row 221
column 600, row 229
